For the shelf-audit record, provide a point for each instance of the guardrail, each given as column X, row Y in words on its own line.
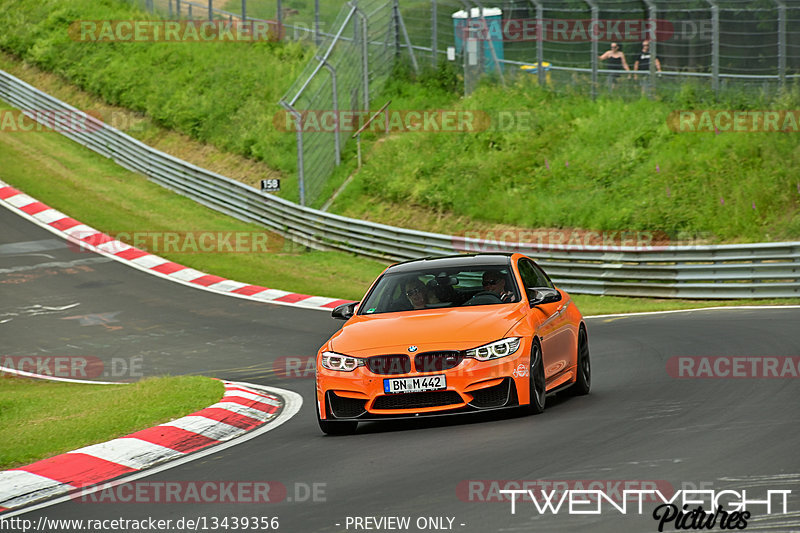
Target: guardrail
column 769, row 270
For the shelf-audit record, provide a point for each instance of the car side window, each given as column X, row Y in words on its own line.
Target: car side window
column 532, row 275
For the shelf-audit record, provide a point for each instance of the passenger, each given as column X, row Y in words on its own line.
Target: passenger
column 417, row 293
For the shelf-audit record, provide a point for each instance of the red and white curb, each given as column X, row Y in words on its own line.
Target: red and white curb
column 98, row 242
column 242, row 409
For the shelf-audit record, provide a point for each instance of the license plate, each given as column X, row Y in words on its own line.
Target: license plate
column 418, row 384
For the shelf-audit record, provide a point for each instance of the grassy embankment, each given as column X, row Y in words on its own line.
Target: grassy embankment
column 39, row 419
column 626, row 170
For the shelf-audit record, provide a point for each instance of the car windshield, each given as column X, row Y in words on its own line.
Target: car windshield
column 441, row 288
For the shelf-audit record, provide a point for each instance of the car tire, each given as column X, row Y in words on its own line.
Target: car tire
column 583, row 382
column 336, row 427
column 536, row 382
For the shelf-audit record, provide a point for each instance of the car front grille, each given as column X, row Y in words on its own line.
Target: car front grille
column 496, row 396
column 417, row 400
column 389, row 364
column 437, row 361
column 342, row 407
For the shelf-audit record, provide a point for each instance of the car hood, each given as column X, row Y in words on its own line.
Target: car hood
column 430, row 329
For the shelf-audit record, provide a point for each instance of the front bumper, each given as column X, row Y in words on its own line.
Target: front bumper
column 471, row 386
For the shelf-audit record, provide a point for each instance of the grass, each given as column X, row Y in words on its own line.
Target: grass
column 220, row 93
column 79, row 182
column 39, row 419
column 85, row 185
column 610, row 165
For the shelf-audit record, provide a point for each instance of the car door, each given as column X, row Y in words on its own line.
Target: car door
column 544, row 318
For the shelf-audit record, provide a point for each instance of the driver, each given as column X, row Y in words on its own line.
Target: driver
column 417, row 293
column 494, row 281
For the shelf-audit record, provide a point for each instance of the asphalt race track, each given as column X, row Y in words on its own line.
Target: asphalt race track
column 639, row 424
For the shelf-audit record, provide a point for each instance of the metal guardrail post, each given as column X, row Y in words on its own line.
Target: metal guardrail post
column 434, row 33
column 595, row 56
column 714, row 47
column 781, row 42
column 301, row 175
column 337, row 146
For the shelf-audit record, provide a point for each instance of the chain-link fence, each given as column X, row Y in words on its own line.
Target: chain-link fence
column 715, row 46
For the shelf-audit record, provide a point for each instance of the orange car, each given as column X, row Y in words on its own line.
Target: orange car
column 451, row 335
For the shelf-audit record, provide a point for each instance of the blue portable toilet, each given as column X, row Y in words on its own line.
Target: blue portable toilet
column 470, row 24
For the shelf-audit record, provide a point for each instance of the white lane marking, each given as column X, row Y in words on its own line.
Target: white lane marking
column 227, row 285
column 53, row 378
column 20, row 200
column 240, row 409
column 48, row 216
column 134, row 264
column 149, row 261
column 717, row 308
column 206, row 427
column 34, row 485
column 251, row 396
column 131, row 452
column 55, row 264
column 187, row 274
column 270, row 294
column 291, row 406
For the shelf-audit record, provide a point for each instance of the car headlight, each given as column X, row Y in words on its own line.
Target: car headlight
column 343, row 363
column 494, row 350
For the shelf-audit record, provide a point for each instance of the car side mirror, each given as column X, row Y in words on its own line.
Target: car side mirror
column 542, row 296
column 344, row 311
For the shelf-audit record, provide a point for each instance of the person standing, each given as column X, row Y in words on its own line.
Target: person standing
column 615, row 58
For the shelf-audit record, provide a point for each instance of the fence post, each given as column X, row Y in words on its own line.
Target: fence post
column 279, row 18
column 335, row 94
column 652, row 20
column 595, row 57
column 210, row 9
column 363, row 36
column 781, row 42
column 434, row 33
column 301, row 182
column 244, row 11
column 714, row 47
column 178, row 8
column 402, row 26
column 316, row 23
column 170, row 8
column 539, row 41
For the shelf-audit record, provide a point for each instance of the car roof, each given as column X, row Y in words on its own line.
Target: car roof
column 452, row 261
